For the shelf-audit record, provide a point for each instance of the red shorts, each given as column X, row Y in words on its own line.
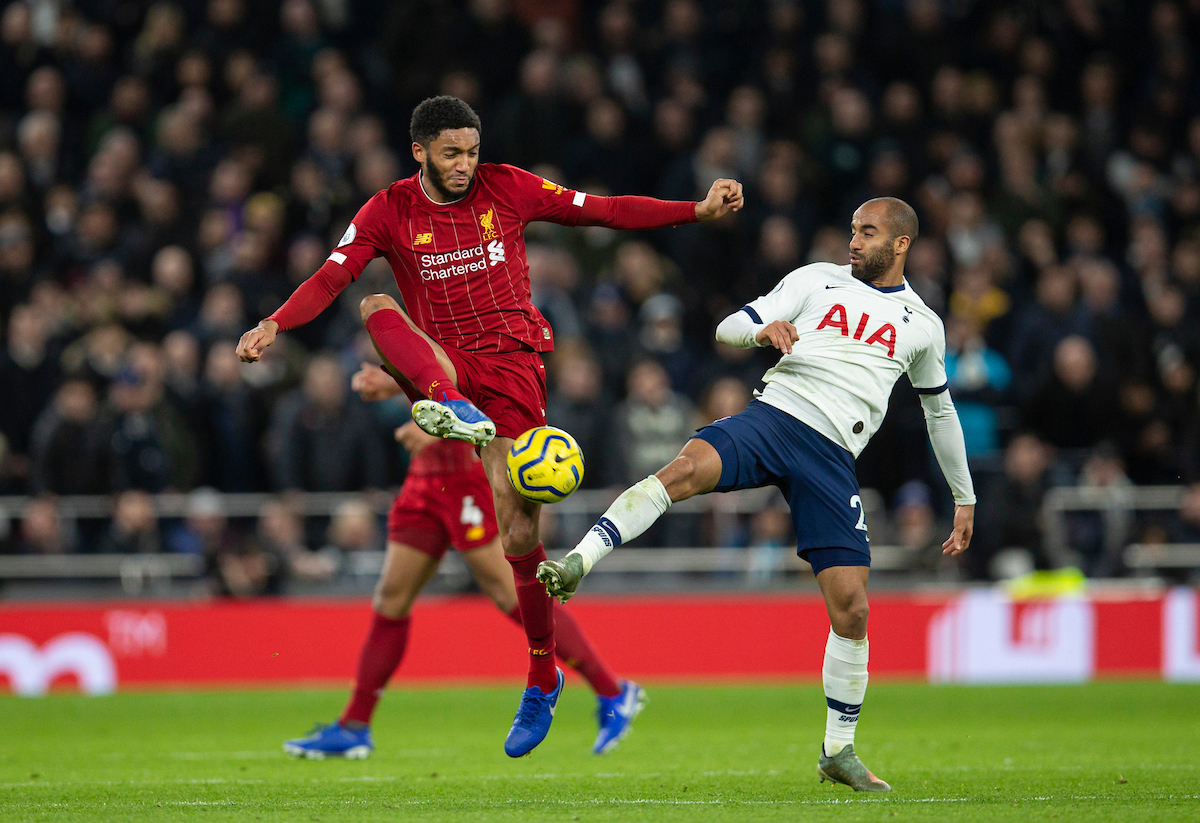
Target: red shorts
column 509, row 388
column 434, row 511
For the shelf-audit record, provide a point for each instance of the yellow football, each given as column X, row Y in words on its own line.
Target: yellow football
column 545, row 465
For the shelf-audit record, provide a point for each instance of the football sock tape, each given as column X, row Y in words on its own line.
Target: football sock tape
column 844, row 675
column 630, row 514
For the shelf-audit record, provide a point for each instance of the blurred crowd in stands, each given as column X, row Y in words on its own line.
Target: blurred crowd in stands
column 170, row 171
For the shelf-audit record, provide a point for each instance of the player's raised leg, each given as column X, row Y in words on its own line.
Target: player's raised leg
column 618, row 702
column 844, row 673
column 410, row 355
column 405, row 572
column 518, row 522
column 695, row 471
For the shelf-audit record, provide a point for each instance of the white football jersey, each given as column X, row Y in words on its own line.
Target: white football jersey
column 855, row 341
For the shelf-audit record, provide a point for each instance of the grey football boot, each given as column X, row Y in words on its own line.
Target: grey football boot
column 561, row 576
column 845, row 768
column 454, row 420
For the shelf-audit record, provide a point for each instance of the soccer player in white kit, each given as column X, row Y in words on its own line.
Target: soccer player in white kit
column 845, row 334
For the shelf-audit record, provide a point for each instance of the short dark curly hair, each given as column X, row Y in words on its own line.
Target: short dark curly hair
column 436, row 114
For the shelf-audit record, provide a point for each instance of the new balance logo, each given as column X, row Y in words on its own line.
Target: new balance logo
column 496, row 251
column 423, row 239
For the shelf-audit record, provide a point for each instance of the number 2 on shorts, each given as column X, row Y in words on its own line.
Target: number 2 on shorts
column 856, row 502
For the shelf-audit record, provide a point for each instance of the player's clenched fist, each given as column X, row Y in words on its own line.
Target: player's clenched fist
column 251, row 346
column 723, row 197
column 781, row 334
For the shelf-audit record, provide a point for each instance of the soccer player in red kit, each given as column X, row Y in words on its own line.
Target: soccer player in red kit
column 446, row 501
column 471, row 342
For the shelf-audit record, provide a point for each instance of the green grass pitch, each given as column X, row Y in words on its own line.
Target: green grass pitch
column 1106, row 751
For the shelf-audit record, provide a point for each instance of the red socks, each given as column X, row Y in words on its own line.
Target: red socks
column 573, row 648
column 577, row 652
column 537, row 618
column 385, row 644
column 380, row 657
column 410, row 354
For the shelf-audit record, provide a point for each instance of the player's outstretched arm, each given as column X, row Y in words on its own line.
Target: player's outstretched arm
column 309, row 299
column 636, row 212
column 949, row 447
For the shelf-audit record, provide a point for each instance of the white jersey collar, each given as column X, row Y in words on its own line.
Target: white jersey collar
column 421, row 186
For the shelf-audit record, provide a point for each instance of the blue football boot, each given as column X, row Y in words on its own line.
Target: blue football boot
column 334, row 740
column 532, row 722
column 454, row 419
column 616, row 715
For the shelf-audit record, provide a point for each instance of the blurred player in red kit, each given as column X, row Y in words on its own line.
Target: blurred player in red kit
column 471, row 342
column 446, row 501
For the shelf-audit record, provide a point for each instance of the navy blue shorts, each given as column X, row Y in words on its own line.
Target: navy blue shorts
column 764, row 446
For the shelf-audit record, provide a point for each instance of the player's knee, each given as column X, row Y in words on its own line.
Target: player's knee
column 858, row 613
column 375, row 302
column 391, row 600
column 850, row 617
column 520, row 536
column 681, row 478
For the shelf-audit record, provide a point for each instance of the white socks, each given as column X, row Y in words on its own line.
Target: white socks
column 630, row 514
column 844, row 675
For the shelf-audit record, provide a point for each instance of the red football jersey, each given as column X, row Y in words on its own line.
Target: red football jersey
column 445, row 457
column 461, row 266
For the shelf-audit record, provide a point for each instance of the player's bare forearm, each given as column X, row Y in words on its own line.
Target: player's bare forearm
column 964, row 527
column 250, row 347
